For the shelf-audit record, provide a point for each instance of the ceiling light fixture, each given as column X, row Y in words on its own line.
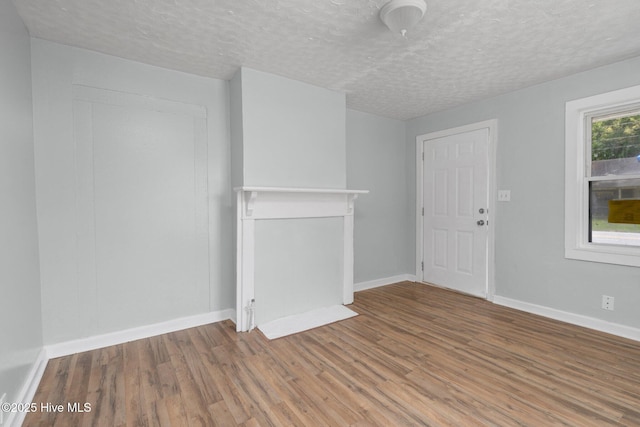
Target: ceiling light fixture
column 401, row 15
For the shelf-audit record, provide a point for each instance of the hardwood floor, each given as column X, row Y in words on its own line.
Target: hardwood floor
column 416, row 355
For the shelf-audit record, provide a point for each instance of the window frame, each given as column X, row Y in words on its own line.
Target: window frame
column 577, row 177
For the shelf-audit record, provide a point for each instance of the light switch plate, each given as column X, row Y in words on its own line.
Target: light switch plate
column 504, row 195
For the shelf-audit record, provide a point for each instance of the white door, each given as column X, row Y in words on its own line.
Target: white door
column 455, row 221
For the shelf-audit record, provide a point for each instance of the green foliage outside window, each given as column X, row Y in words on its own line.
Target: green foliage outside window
column 616, row 138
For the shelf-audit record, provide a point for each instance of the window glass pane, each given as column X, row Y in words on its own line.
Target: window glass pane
column 605, row 232
column 615, row 144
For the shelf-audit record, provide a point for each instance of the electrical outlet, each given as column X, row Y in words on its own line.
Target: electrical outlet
column 504, row 195
column 607, row 302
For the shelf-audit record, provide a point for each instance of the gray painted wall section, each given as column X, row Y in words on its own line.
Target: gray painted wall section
column 55, row 69
column 529, row 234
column 376, row 159
column 293, row 133
column 21, row 331
column 287, row 280
column 236, row 124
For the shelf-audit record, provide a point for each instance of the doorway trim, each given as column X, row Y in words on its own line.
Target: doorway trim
column 492, row 126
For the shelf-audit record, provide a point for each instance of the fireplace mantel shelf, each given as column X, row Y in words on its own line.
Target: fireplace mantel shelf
column 299, row 190
column 295, row 202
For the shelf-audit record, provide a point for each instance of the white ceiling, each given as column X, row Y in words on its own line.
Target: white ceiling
column 463, row 50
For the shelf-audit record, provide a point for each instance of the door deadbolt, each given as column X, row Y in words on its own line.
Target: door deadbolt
column 481, row 210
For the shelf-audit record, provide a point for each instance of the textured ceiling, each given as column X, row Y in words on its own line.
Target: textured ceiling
column 463, row 50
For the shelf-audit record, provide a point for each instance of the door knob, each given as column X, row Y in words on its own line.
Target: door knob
column 480, row 222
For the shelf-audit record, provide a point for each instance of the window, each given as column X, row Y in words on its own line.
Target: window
column 602, row 178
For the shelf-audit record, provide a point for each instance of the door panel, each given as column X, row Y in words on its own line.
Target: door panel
column 142, row 209
column 455, row 191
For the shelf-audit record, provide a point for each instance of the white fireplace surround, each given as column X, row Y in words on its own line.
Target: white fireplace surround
column 260, row 203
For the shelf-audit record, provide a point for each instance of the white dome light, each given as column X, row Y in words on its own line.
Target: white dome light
column 401, row 15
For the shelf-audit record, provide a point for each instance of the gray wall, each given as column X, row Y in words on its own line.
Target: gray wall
column 298, row 266
column 21, row 331
column 236, row 130
column 72, row 306
column 293, row 133
column 376, row 161
column 529, row 246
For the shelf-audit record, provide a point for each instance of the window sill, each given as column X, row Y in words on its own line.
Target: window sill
column 605, row 254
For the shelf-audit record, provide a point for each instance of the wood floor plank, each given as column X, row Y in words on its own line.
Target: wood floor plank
column 221, row 415
column 135, row 401
column 176, row 411
column 415, row 355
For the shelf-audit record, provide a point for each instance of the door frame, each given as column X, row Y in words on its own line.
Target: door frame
column 492, row 126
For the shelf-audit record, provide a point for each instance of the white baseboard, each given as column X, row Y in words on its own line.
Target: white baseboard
column 575, row 319
column 361, row 286
column 28, row 390
column 120, row 337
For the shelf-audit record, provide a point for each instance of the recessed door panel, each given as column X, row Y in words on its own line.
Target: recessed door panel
column 440, row 192
column 440, row 248
column 464, row 251
column 464, row 184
